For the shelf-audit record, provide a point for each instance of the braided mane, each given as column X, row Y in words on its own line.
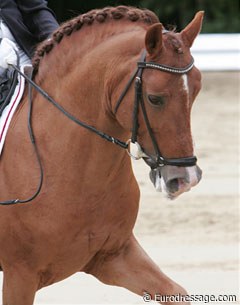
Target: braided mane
column 92, row 17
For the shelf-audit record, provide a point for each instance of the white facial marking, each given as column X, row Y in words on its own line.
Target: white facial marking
column 185, row 83
column 192, row 172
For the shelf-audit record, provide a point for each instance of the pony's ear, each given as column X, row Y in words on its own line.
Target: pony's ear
column 153, row 39
column 192, row 29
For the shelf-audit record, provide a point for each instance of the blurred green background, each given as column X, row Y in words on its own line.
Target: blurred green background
column 221, row 16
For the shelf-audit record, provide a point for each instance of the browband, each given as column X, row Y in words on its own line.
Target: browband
column 165, row 68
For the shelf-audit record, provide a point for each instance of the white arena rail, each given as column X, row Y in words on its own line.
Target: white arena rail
column 217, row 52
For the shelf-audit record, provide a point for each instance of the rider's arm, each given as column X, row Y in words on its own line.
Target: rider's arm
column 38, row 17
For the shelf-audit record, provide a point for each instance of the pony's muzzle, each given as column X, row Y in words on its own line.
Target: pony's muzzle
column 175, row 180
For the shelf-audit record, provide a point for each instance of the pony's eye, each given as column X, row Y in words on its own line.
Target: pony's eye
column 156, row 100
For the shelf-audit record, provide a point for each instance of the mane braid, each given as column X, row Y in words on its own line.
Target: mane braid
column 92, row 17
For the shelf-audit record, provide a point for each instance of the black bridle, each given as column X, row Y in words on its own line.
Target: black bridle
column 139, row 102
column 158, row 160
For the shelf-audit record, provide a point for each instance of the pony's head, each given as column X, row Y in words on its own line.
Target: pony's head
column 166, row 86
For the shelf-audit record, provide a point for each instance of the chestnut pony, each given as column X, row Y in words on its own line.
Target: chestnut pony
column 119, row 71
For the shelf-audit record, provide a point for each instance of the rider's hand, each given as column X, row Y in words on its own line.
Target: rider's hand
column 7, row 53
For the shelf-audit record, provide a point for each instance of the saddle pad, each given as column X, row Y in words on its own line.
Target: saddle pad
column 9, row 110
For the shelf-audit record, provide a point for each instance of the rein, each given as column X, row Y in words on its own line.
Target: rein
column 103, row 135
column 138, row 102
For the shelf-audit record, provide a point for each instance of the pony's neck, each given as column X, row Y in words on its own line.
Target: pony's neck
column 110, row 38
column 88, row 71
column 85, row 83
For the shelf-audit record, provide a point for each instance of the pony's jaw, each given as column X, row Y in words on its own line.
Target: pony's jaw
column 174, row 180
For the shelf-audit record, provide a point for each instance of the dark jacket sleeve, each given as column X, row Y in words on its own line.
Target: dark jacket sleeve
column 30, row 22
column 39, row 19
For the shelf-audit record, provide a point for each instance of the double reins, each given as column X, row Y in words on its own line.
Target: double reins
column 138, row 102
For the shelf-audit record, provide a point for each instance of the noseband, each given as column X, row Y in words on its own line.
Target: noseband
column 159, row 160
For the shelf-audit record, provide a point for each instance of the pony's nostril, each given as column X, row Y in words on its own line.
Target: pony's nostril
column 173, row 185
